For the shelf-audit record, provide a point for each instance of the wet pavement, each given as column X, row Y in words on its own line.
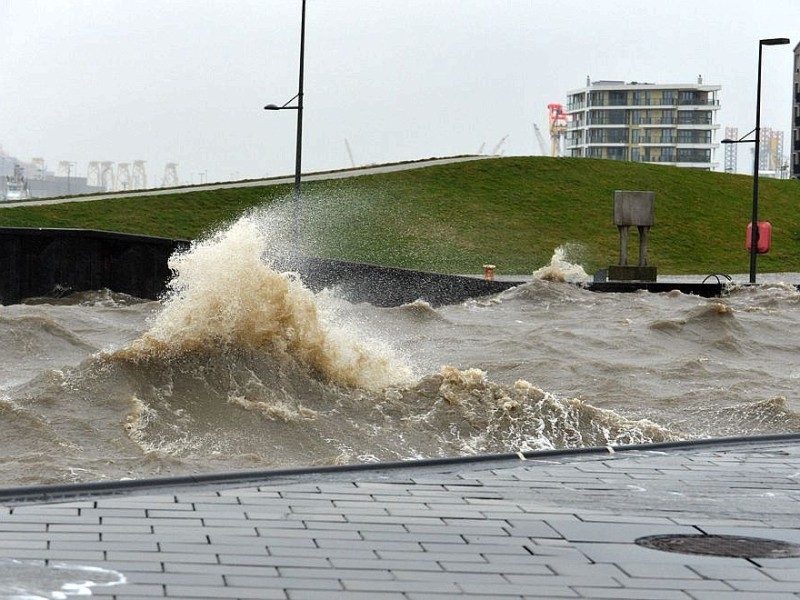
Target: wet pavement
column 577, row 524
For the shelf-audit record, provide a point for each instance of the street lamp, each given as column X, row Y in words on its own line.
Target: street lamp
column 757, row 141
column 299, row 149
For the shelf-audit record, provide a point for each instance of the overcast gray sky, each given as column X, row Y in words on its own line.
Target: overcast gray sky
column 185, row 81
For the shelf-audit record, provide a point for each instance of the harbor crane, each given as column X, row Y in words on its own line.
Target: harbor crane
column 496, row 149
column 558, row 127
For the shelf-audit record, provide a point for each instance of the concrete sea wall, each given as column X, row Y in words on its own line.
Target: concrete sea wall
column 57, row 262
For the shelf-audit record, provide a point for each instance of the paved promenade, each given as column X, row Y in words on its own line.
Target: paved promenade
column 547, row 525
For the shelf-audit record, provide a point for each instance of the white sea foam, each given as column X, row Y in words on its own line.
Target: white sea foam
column 226, row 294
column 561, row 268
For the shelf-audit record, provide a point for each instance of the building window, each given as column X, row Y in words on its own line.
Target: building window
column 689, row 97
column 700, row 117
column 597, row 99
column 694, row 137
column 693, row 155
column 617, row 98
column 617, row 153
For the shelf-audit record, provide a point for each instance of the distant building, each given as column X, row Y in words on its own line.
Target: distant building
column 37, row 181
column 731, row 154
column 771, row 160
column 795, row 153
column 644, row 122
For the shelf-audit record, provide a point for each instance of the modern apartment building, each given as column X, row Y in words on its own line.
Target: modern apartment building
column 644, row 122
column 795, row 157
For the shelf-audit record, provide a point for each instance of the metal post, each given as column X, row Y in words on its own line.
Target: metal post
column 754, row 219
column 299, row 140
column 299, row 153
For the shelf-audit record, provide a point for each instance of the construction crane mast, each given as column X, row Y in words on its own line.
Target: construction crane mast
column 540, row 139
column 349, row 153
column 558, row 127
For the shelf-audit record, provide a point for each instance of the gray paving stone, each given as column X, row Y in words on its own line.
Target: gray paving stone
column 686, row 585
column 773, row 564
column 733, row 595
column 382, row 565
column 338, row 574
column 405, row 586
column 324, row 553
column 33, row 524
column 442, row 537
column 162, row 578
column 619, row 532
column 254, row 570
column 535, row 528
column 561, row 526
column 376, row 526
column 659, row 570
column 130, row 591
column 22, row 543
column 129, row 567
column 764, row 587
column 621, row 594
column 93, row 556
column 431, row 556
column 285, row 582
column 551, row 591
column 344, row 595
column 220, row 593
column 585, row 575
column 786, row 574
column 460, row 576
column 504, row 568
column 770, row 533
column 395, row 545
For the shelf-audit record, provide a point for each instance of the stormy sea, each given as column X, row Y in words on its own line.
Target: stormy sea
column 240, row 366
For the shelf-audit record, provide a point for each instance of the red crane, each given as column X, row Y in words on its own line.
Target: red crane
column 558, row 126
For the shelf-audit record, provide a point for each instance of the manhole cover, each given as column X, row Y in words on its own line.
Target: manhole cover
column 721, row 545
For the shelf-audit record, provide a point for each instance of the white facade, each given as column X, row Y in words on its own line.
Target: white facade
column 643, row 122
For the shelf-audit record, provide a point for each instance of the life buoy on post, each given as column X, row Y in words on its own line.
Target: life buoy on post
column 763, row 237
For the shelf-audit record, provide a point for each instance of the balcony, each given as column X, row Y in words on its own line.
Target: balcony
column 698, row 102
column 653, row 141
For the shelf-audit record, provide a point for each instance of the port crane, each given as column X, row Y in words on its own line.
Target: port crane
column 558, row 127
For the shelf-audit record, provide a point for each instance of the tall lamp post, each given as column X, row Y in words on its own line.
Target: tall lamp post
column 299, row 144
column 757, row 141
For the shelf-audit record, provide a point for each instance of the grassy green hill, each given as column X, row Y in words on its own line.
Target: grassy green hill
column 511, row 212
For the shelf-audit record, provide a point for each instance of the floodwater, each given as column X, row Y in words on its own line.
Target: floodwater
column 242, row 367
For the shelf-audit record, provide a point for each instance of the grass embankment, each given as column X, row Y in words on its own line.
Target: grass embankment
column 511, row 212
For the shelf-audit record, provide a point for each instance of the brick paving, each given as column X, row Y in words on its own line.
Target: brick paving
column 554, row 525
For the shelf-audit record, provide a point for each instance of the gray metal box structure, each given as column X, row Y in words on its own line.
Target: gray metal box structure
column 634, row 208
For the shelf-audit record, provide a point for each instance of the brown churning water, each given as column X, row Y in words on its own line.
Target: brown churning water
column 241, row 366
